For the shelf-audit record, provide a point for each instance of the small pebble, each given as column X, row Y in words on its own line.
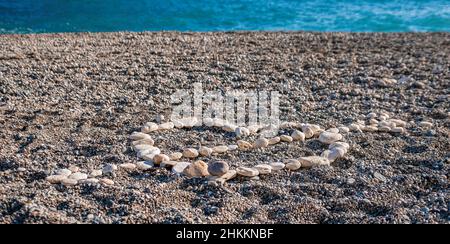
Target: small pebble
column 312, row 161
column 157, row 159
column 293, row 164
column 218, row 168
column 261, row 143
column 248, row 172
column 175, row 156
column 205, row 151
column 190, row 153
column 69, row 182
column 277, row 166
column 128, row 166
column 109, row 169
column 298, row 135
column 78, row 176
column 286, row 138
column 196, row 169
column 166, row 126
column 149, row 127
column 244, row 145
column 96, row 173
column 107, row 182
column 135, row 136
column 55, row 179
column 329, row 137
column 179, row 167
column 74, row 169
column 220, row 149
column 263, row 169
column 274, row 140
column 65, row 172
column 144, row 165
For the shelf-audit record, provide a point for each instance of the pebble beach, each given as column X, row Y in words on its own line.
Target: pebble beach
column 369, row 139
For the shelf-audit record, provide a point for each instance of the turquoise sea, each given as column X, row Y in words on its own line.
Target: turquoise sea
column 36, row 16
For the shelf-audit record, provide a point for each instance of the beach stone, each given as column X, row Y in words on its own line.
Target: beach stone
column 220, row 149
column 64, row 172
column 218, row 168
column 344, row 129
column 373, row 122
column 384, row 129
column 286, row 138
column 233, row 147
column 293, row 164
column 380, row 177
column 69, row 182
column 74, row 169
column 109, row 169
column 333, row 130
column 425, row 124
column 247, row 172
column 308, row 131
column 205, row 151
column 344, row 145
column 128, row 166
column 95, row 173
column 277, row 166
column 178, row 124
column 298, row 136
column 166, row 126
column 208, row 122
column 261, row 143
column 274, row 140
column 149, row 142
column 244, row 145
column 168, row 164
column 135, row 136
column 175, row 156
column 372, row 115
column 399, row 130
column 148, row 154
column 242, row 132
column 90, row 181
column 263, row 169
column 312, row 161
column 55, row 179
column 160, row 158
column 78, row 176
column 144, row 147
column 231, row 174
column 369, row 128
column 355, row 127
column 398, row 122
column 180, row 167
column 144, row 165
column 329, row 137
column 196, row 169
column 190, row 153
column 107, row 182
column 335, row 153
column 149, row 127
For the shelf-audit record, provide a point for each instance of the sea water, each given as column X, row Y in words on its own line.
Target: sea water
column 36, row 16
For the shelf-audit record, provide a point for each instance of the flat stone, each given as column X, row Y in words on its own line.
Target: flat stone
column 218, row 168
column 329, row 137
column 78, row 176
column 144, row 147
column 274, row 140
column 196, row 169
column 263, row 169
column 157, row 159
column 166, row 126
column 298, row 135
column 107, row 182
column 244, row 145
column 190, row 153
column 139, row 136
column 205, row 151
column 69, row 182
column 285, row 138
column 333, row 130
column 96, row 173
column 180, row 167
column 90, row 181
column 149, row 127
column 308, row 131
column 247, row 172
column 399, row 130
column 336, row 153
column 261, row 143
column 277, row 166
column 380, row 177
column 128, row 166
column 65, row 172
column 55, row 179
column 313, row 161
column 231, row 174
column 425, row 124
column 149, row 142
column 220, row 149
column 293, row 164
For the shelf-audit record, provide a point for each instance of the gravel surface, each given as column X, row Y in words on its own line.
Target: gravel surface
column 71, row 100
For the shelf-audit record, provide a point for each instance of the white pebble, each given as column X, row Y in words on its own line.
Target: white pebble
column 205, row 151
column 329, row 137
column 248, row 172
column 190, row 153
column 312, row 161
column 175, row 156
column 293, row 164
column 263, row 169
column 242, row 132
column 277, row 166
column 144, row 165
column 298, row 135
column 180, row 167
column 286, row 138
column 96, row 173
column 139, row 136
column 55, row 179
column 78, row 176
column 128, row 166
column 166, row 126
column 220, row 149
column 149, row 127
column 64, row 172
column 69, row 182
column 274, row 140
column 261, row 143
column 107, row 182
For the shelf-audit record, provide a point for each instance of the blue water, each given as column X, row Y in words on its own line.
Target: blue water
column 36, row 16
